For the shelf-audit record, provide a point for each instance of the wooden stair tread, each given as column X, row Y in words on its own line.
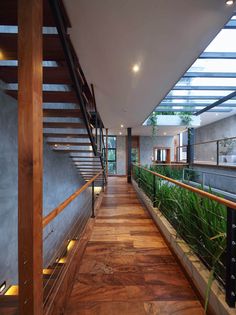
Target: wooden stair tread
column 66, row 135
column 8, row 14
column 51, row 44
column 51, row 75
column 52, row 96
column 63, row 125
column 81, row 144
column 62, row 112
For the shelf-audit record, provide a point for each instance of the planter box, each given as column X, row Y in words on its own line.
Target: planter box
column 198, row 273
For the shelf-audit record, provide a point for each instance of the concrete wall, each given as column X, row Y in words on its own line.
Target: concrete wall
column 121, row 155
column 147, row 143
column 220, row 129
column 207, row 153
column 60, row 181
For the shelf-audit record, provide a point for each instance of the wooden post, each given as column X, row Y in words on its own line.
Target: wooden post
column 129, row 154
column 30, row 157
column 106, row 152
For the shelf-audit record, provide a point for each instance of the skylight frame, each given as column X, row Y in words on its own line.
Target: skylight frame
column 206, row 77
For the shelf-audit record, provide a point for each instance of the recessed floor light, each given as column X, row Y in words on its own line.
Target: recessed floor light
column 229, row 2
column 135, row 68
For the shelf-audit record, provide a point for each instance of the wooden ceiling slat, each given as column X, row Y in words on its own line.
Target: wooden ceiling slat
column 52, row 96
column 51, row 75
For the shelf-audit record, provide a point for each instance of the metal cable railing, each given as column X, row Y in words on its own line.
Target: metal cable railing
column 55, row 269
column 206, row 222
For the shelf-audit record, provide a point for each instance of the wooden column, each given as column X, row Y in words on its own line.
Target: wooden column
column 30, row 157
column 129, row 147
column 106, row 152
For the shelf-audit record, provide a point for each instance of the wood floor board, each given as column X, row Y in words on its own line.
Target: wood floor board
column 138, row 308
column 127, row 268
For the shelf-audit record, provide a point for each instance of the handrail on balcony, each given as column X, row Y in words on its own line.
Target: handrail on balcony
column 178, row 218
column 203, row 193
column 54, row 213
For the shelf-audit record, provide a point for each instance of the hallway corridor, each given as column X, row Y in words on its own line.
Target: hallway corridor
column 127, row 268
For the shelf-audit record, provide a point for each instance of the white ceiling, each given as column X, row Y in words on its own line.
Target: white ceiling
column 163, row 36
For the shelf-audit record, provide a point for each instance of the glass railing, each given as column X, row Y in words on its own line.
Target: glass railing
column 220, row 152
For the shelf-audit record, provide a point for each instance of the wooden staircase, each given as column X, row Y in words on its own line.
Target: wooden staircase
column 69, row 108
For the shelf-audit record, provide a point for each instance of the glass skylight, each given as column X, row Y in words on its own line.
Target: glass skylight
column 211, row 78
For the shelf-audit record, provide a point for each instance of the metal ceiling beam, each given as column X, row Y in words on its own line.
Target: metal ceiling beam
column 210, row 75
column 230, row 25
column 193, row 110
column 193, row 97
column 219, row 102
column 193, row 104
column 205, row 88
column 218, row 55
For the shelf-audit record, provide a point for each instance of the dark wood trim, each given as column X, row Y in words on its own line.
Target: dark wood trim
column 129, row 151
column 106, row 152
column 168, row 153
column 30, row 157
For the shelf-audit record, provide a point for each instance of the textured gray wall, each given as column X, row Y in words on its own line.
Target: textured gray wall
column 60, row 181
column 147, row 143
column 121, row 155
column 220, row 129
column 207, row 152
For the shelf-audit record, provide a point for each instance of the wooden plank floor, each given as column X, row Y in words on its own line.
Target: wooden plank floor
column 127, row 267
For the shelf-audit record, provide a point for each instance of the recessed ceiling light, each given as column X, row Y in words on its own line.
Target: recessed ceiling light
column 135, row 68
column 229, row 2
column 55, row 145
column 217, row 114
column 122, row 126
column 120, row 133
column 164, row 133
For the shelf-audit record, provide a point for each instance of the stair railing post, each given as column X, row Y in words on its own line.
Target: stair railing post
column 93, row 208
column 217, row 152
column 139, row 176
column 103, row 182
column 154, row 190
column 230, row 283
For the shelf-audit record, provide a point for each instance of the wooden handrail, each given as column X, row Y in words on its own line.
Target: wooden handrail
column 203, row 193
column 48, row 218
column 170, row 164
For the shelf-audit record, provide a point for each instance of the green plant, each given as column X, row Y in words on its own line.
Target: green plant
column 152, row 121
column 201, row 222
column 186, row 118
column 169, row 171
